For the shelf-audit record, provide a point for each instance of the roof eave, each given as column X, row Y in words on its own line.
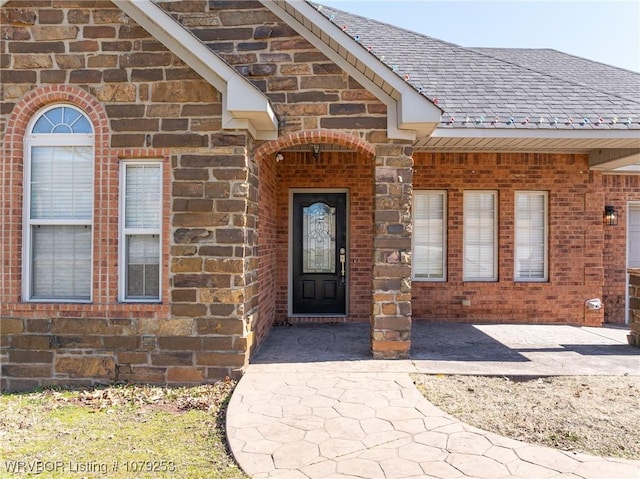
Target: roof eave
column 628, row 133
column 607, row 149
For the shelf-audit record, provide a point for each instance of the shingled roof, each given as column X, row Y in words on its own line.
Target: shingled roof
column 501, row 87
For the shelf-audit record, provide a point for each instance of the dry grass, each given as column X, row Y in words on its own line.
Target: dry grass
column 591, row 414
column 117, row 432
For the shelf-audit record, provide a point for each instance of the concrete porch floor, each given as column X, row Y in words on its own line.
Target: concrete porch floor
column 448, row 348
column 313, row 405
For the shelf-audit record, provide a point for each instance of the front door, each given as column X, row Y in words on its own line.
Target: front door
column 318, row 253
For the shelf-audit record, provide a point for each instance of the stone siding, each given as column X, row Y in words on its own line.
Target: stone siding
column 144, row 102
column 307, row 90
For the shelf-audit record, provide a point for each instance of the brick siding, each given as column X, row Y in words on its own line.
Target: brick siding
column 347, row 170
column 576, row 243
column 618, row 191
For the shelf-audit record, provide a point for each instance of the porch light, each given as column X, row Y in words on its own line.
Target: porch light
column 315, row 150
column 610, row 216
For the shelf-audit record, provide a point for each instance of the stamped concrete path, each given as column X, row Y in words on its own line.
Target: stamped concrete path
column 321, row 409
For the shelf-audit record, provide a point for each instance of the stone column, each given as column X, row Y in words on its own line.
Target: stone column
column 213, row 254
column 391, row 298
column 634, row 307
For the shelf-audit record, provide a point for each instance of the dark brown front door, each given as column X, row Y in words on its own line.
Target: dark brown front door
column 319, row 275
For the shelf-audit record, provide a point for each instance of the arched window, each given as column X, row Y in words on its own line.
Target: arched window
column 59, row 159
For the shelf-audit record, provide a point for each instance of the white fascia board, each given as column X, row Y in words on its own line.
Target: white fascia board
column 411, row 116
column 569, row 134
column 245, row 106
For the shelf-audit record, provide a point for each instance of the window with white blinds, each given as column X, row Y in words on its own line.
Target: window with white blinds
column 141, row 225
column 531, row 224
column 429, row 235
column 480, row 235
column 58, row 206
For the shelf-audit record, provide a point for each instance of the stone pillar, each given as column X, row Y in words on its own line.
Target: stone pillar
column 634, row 307
column 212, row 254
column 391, row 298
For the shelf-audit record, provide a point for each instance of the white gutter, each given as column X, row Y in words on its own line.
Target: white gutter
column 560, row 133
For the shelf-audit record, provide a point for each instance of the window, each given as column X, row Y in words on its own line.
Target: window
column 531, row 263
column 59, row 149
column 430, row 233
column 140, row 228
column 480, row 236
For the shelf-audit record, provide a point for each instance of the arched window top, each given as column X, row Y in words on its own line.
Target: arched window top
column 62, row 119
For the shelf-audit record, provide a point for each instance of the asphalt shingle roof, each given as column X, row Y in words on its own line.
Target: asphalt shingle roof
column 501, row 83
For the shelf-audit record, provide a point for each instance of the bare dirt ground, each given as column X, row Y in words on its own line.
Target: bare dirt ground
column 591, row 414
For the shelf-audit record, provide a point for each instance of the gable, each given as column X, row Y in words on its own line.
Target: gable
column 244, row 106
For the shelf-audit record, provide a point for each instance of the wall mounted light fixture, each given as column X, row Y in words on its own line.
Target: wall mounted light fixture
column 610, row 216
column 315, row 150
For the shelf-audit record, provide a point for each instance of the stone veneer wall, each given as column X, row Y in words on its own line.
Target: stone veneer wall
column 576, row 269
column 634, row 307
column 144, row 103
column 307, row 90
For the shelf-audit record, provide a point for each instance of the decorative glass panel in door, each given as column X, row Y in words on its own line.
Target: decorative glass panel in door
column 319, row 239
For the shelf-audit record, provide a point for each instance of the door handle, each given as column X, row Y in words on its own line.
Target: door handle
column 343, row 260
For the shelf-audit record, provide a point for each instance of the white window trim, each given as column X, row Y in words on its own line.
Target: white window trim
column 123, row 232
column 442, row 193
column 49, row 139
column 494, row 276
column 545, row 277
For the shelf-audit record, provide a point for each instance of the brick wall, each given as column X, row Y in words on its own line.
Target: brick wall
column 267, row 245
column 576, row 269
column 618, row 191
column 348, row 170
column 634, row 307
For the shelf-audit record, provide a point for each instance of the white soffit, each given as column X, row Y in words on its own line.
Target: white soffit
column 243, row 105
column 619, row 160
column 409, row 114
column 541, row 140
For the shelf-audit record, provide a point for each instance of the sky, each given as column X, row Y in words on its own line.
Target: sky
column 605, row 31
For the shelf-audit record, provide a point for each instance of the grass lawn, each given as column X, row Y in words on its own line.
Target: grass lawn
column 117, row 432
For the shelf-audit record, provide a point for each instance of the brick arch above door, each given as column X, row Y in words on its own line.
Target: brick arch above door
column 315, row 136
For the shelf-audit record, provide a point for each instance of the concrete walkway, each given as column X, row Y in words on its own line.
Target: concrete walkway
column 312, row 405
